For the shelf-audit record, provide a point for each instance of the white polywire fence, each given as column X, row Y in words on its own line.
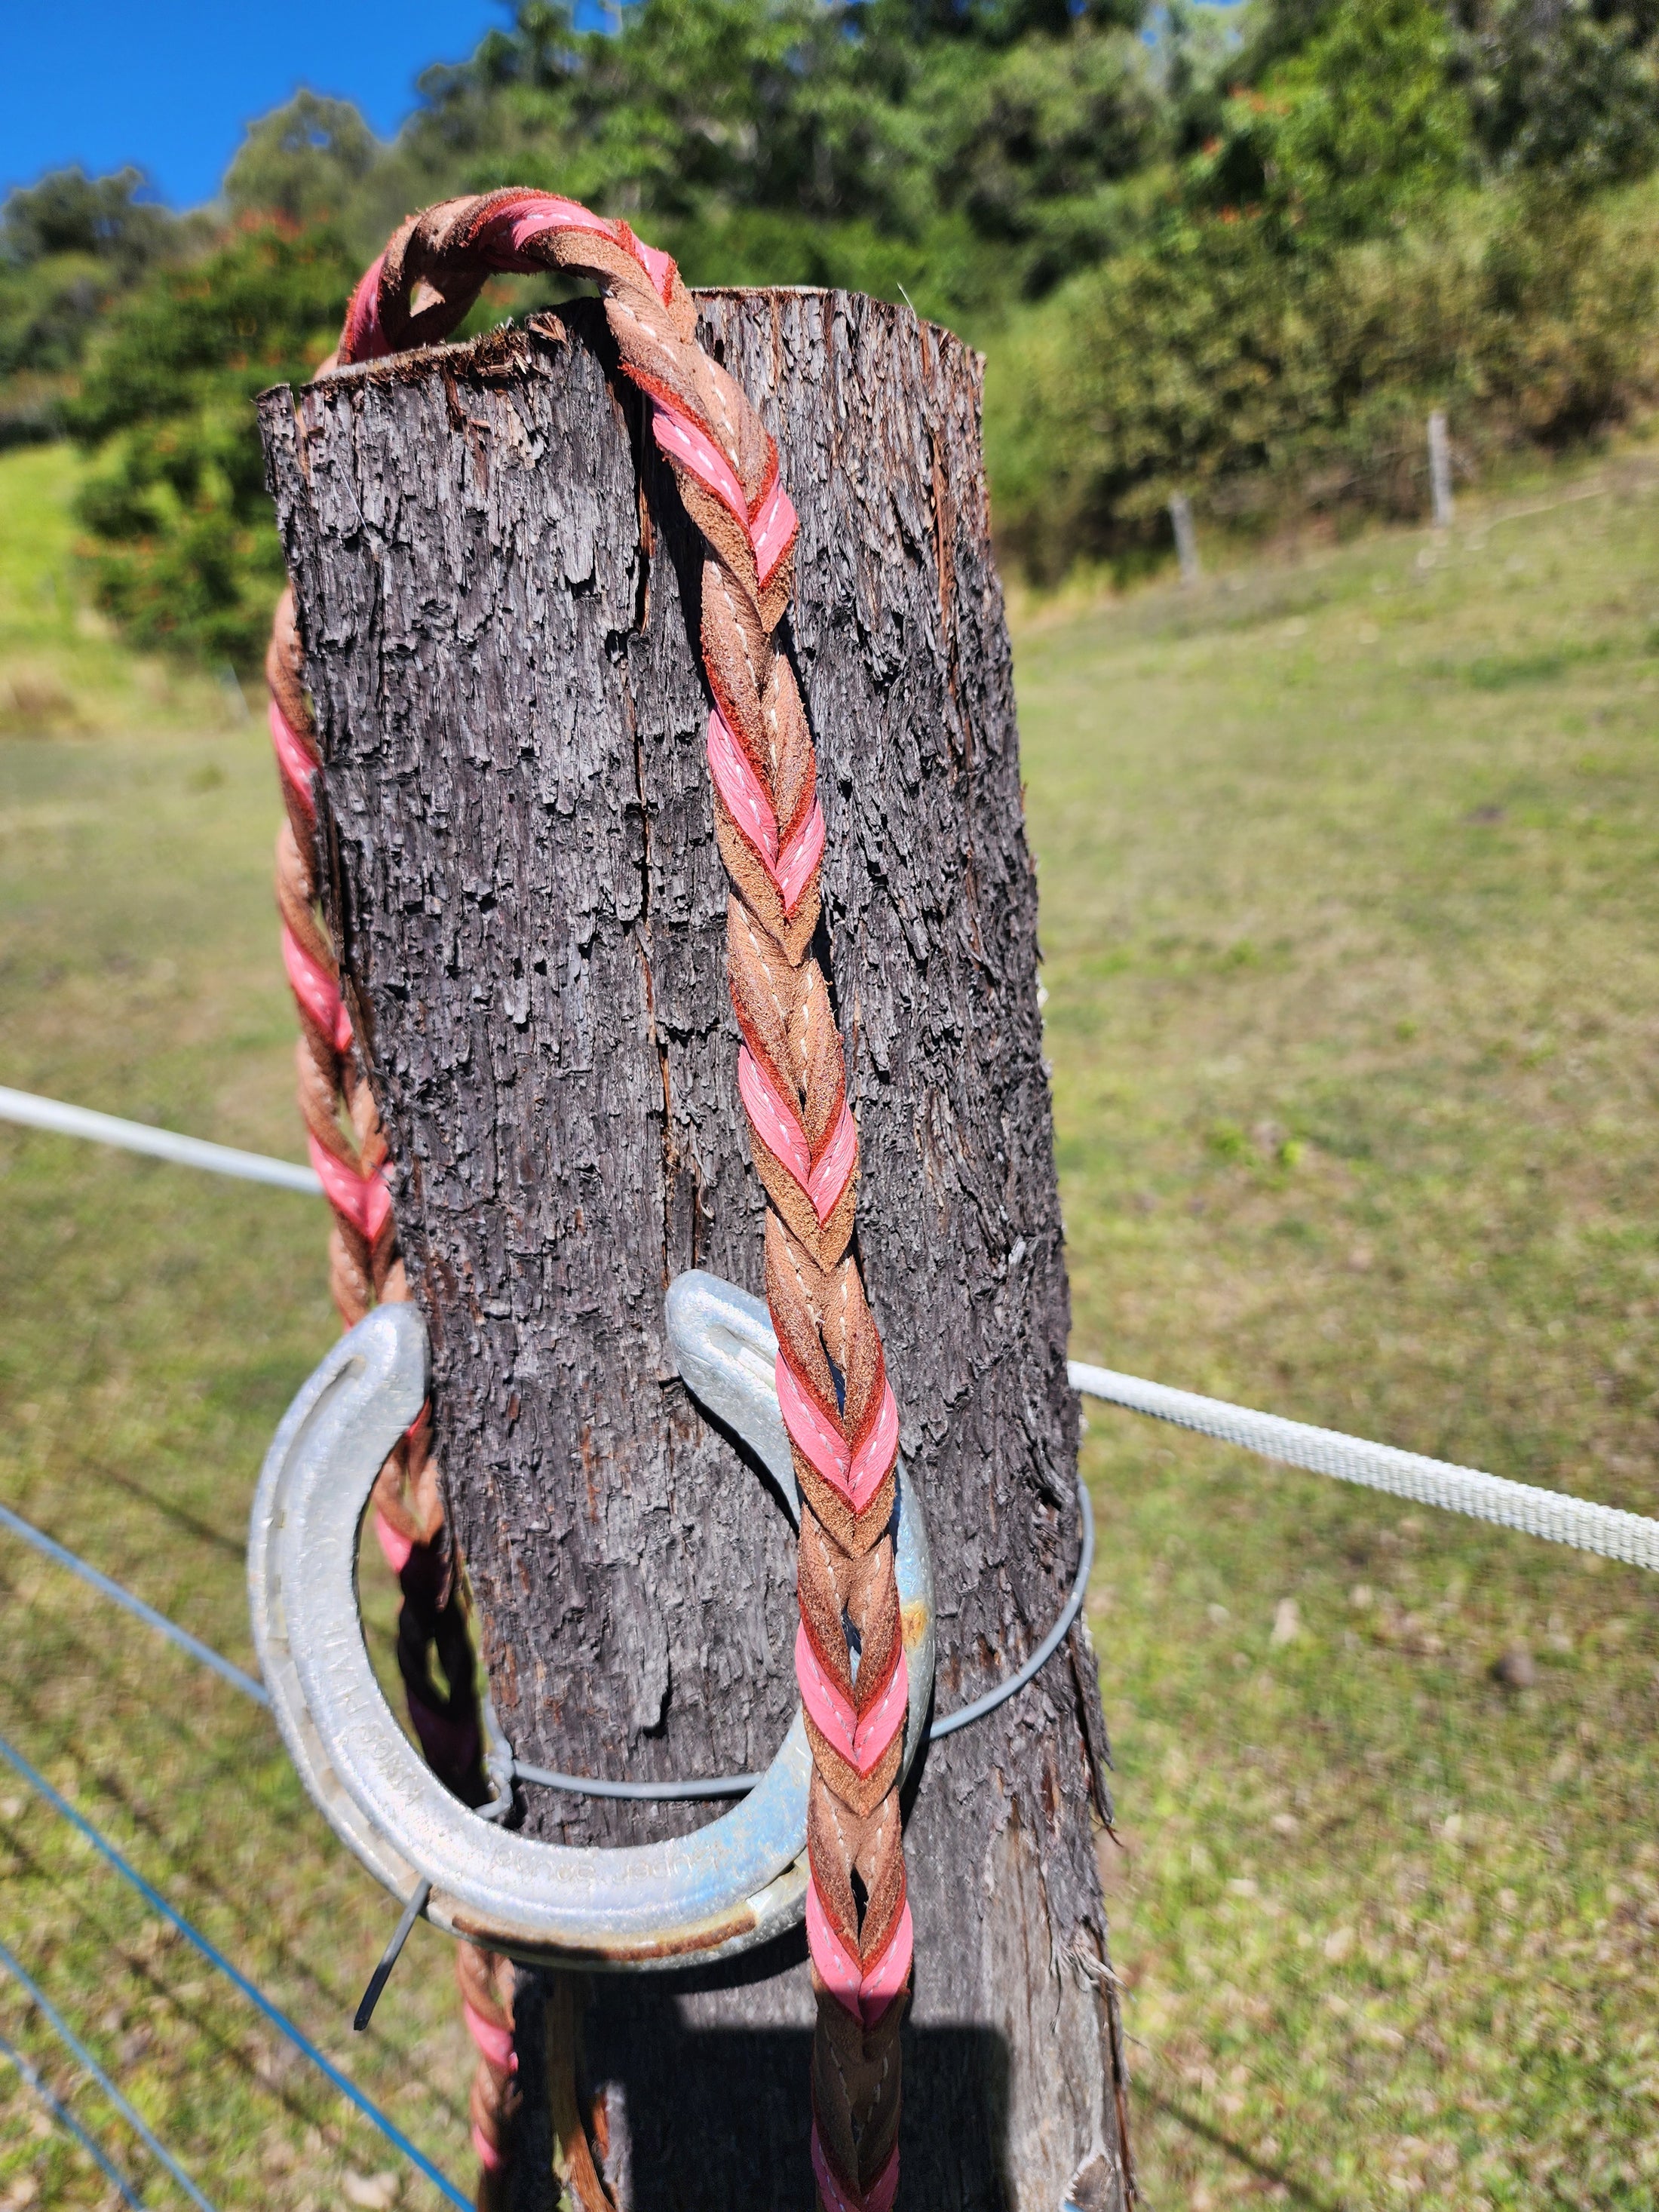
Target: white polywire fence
column 1551, row 1514
column 65, row 1120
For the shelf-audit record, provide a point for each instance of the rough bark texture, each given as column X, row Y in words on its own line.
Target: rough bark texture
column 497, row 592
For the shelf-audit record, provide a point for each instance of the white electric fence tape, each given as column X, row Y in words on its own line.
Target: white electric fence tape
column 64, row 1121
column 1549, row 1514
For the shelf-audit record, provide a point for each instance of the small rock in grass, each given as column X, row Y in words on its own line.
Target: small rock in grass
column 1517, row 1670
column 1287, row 1622
column 374, row 2192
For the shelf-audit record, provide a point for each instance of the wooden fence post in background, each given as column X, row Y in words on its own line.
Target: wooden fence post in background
column 1440, row 485
column 1186, row 538
column 496, row 591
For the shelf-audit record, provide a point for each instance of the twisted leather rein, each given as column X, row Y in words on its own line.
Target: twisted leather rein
column 837, row 1404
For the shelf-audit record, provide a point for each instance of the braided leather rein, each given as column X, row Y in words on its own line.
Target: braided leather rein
column 343, row 1134
column 837, row 1404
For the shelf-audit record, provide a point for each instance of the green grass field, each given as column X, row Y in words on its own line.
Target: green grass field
column 1351, row 916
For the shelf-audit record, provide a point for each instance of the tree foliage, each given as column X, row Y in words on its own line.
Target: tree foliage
column 1219, row 249
column 185, row 555
column 1361, row 127
column 305, row 162
column 68, row 246
column 979, row 148
column 1268, row 384
column 1565, row 88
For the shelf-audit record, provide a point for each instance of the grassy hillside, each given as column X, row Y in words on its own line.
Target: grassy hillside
column 1352, row 950
column 61, row 670
column 1352, row 960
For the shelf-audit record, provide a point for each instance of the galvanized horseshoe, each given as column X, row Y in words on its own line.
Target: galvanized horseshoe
column 731, row 1884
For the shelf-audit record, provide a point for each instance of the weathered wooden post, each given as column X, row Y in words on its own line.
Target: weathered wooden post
column 496, row 588
column 1186, row 538
column 1440, row 479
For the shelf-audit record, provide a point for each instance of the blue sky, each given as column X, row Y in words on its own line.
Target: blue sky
column 169, row 84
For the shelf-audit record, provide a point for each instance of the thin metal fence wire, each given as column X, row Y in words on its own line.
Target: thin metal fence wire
column 726, row 1785
column 1050, row 1644
column 734, row 1785
column 66, row 2120
column 255, row 1996
column 90, row 2066
column 107, row 1587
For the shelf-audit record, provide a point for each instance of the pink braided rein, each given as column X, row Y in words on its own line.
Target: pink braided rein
column 801, row 1125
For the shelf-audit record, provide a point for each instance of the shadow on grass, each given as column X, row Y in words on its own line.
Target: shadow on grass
column 233, row 1548
column 1298, row 2192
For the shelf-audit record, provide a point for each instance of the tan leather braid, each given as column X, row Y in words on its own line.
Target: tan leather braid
column 487, row 1982
column 335, row 1101
column 832, row 1378
column 343, row 1132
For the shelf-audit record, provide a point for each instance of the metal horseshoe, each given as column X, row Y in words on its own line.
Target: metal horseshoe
column 731, row 1884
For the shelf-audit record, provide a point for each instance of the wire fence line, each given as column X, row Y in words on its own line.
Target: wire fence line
column 62, row 1120
column 107, row 1586
column 66, row 2120
column 1551, row 1514
column 90, row 2066
column 255, row 1996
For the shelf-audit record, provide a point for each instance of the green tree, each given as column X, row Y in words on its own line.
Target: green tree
column 99, row 218
column 182, row 552
column 307, row 161
column 1569, row 91
column 68, row 246
column 1362, row 126
column 972, row 154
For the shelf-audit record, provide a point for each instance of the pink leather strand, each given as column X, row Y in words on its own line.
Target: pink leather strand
column 294, row 762
column 500, row 233
column 777, row 1123
column 495, row 2043
column 861, row 1742
column 857, row 1475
